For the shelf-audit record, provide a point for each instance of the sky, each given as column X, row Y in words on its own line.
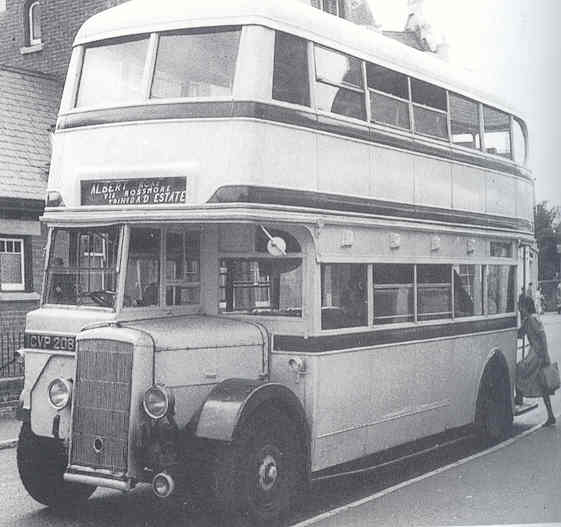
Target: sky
column 514, row 48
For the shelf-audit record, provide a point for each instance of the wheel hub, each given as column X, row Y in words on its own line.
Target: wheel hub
column 268, row 473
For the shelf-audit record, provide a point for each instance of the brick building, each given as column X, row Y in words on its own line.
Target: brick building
column 28, row 104
column 35, row 45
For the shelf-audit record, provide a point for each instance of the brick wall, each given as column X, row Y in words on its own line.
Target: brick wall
column 60, row 21
column 12, row 314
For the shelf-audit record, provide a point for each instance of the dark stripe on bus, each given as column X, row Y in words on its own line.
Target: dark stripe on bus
column 270, row 112
column 379, row 337
column 341, row 203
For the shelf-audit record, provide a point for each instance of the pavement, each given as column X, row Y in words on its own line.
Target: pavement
column 9, row 431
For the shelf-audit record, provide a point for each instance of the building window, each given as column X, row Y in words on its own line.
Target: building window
column 333, row 7
column 33, row 14
column 12, row 264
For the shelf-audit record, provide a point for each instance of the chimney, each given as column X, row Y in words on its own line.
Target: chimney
column 418, row 24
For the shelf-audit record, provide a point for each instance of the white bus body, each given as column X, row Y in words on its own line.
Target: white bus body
column 263, row 261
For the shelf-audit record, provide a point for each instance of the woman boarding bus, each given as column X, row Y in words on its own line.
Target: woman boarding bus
column 286, row 242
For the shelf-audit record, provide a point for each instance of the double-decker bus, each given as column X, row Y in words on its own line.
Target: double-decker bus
column 278, row 242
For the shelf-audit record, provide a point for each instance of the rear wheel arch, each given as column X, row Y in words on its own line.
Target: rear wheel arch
column 493, row 404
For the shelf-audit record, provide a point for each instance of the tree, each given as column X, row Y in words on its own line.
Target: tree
column 548, row 235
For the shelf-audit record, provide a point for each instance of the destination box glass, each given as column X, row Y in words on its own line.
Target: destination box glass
column 141, row 191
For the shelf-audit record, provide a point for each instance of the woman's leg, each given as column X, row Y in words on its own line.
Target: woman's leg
column 550, row 416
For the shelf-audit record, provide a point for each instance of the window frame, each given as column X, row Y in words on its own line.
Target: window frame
column 152, row 59
column 31, row 17
column 10, row 287
column 416, row 315
column 318, row 79
column 183, row 282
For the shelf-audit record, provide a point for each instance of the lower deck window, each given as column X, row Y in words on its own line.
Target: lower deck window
column 344, row 299
column 406, row 293
column 393, row 293
column 266, row 286
column 468, row 290
column 183, row 268
column 500, row 288
column 142, row 287
column 434, row 292
column 82, row 267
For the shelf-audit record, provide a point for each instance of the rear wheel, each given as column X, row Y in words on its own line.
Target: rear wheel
column 41, row 464
column 261, row 474
column 494, row 409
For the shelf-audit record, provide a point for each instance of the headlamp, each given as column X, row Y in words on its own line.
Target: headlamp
column 158, row 401
column 60, row 392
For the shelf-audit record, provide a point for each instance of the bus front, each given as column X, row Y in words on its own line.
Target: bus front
column 133, row 356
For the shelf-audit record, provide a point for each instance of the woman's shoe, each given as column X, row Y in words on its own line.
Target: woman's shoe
column 550, row 421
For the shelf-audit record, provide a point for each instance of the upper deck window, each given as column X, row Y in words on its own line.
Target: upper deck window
column 429, row 109
column 389, row 96
column 290, row 73
column 464, row 119
column 196, row 64
column 339, row 87
column 518, row 141
column 112, row 72
column 497, row 132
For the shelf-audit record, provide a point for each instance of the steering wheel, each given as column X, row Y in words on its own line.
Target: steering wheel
column 102, row 298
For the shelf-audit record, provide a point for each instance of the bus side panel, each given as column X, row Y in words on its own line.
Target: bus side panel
column 368, row 400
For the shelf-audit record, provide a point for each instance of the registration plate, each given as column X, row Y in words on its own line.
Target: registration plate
column 50, row 342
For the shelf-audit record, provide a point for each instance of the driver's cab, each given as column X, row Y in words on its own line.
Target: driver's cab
column 144, row 270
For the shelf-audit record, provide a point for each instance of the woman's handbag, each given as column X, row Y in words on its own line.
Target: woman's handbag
column 551, row 379
column 528, row 381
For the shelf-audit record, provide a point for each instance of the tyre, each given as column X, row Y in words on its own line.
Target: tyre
column 262, row 474
column 494, row 409
column 41, row 464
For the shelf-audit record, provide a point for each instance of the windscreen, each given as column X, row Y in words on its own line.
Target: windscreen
column 82, row 268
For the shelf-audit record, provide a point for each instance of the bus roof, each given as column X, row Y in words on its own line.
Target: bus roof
column 145, row 16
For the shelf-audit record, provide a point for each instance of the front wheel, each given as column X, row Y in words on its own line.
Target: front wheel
column 263, row 473
column 494, row 409
column 41, row 464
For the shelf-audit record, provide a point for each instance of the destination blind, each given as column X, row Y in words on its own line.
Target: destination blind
column 141, row 191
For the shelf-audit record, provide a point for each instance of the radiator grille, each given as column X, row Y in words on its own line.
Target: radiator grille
column 102, row 395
